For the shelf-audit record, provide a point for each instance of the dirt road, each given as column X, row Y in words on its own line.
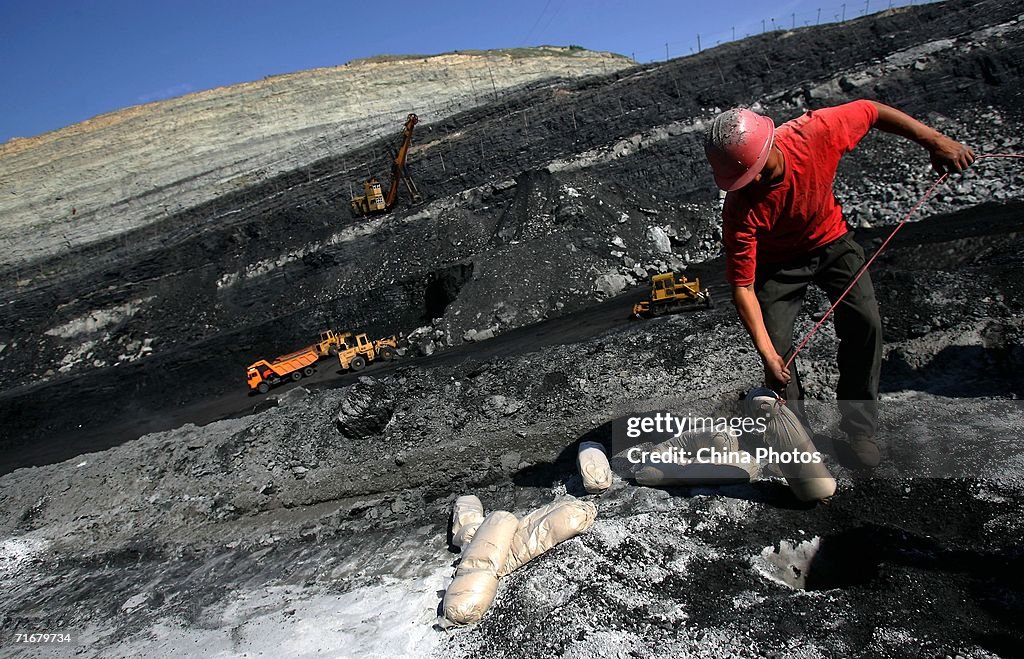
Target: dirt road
column 97, row 430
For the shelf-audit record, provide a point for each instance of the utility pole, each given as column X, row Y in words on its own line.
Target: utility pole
column 666, row 51
column 762, row 26
column 867, row 5
column 698, row 43
column 794, row 20
column 734, row 33
column 844, row 13
column 493, row 86
column 817, row 21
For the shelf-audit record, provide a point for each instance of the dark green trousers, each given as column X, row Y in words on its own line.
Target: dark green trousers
column 780, row 291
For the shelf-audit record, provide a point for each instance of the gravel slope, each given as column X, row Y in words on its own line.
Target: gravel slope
column 314, row 521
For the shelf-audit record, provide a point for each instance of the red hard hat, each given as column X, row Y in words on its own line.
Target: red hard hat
column 737, row 146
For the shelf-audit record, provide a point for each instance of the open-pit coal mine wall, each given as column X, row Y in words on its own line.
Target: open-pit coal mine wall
column 205, row 328
column 529, row 130
column 206, row 368
column 176, row 310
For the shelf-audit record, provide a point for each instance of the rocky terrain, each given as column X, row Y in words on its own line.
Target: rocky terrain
column 315, row 520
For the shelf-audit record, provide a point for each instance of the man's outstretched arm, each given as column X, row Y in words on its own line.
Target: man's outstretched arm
column 947, row 155
column 749, row 310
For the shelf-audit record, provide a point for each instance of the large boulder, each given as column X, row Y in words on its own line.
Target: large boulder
column 611, row 284
column 661, row 241
column 366, row 409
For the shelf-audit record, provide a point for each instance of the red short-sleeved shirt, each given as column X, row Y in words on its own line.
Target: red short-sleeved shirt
column 763, row 224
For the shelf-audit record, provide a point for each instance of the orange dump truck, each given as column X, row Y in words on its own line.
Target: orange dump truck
column 262, row 375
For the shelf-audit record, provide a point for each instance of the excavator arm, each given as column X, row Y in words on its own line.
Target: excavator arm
column 398, row 165
column 375, row 199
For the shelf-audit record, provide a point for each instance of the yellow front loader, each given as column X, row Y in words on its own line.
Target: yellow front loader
column 359, row 351
column 331, row 342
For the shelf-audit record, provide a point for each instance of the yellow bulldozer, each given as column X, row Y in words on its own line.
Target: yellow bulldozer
column 670, row 293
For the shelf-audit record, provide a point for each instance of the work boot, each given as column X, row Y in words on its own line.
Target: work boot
column 864, row 451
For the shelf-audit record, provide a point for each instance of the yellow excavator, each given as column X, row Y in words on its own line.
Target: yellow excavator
column 373, row 199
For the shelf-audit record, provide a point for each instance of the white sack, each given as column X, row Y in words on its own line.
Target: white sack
column 467, row 514
column 692, row 441
column 594, row 467
column 546, row 527
column 784, row 433
column 698, row 458
column 469, row 596
column 731, row 468
column 476, row 579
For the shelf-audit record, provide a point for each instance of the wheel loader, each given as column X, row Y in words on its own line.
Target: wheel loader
column 669, row 293
column 359, row 351
column 331, row 342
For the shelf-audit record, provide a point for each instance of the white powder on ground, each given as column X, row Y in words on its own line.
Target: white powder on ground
column 17, row 553
column 392, row 618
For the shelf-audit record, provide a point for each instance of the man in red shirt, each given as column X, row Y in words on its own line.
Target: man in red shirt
column 783, row 229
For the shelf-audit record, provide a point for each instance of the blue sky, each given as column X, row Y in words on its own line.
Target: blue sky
column 63, row 61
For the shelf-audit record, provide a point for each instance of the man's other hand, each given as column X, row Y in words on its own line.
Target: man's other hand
column 949, row 156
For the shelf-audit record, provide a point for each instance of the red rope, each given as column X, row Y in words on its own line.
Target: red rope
column 874, row 256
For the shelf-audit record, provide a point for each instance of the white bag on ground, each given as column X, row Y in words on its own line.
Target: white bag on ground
column 546, row 527
column 594, row 467
column 476, row 579
column 698, row 458
column 732, row 468
column 467, row 514
column 692, row 441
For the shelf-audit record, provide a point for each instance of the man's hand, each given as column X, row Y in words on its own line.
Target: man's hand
column 949, row 156
column 776, row 374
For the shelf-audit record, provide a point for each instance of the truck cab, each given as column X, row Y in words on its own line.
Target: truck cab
column 258, row 376
column 253, row 378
